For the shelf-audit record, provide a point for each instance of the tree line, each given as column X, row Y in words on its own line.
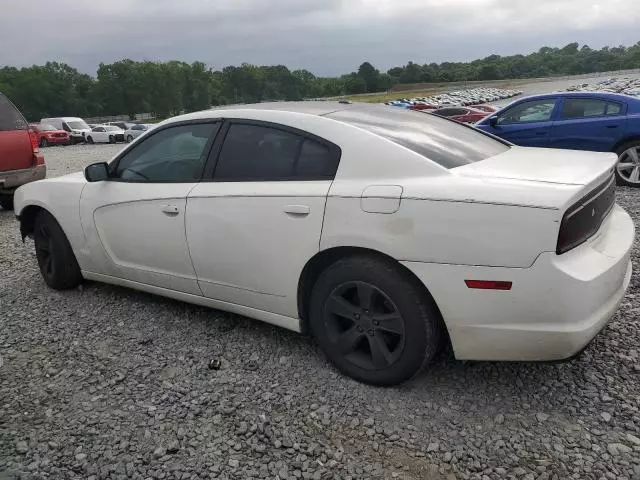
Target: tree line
column 166, row 88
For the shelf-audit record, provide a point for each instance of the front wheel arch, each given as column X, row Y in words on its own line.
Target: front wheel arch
column 325, row 258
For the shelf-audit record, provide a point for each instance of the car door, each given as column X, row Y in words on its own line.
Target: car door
column 16, row 151
column 526, row 123
column 97, row 134
column 589, row 124
column 254, row 225
column 134, row 222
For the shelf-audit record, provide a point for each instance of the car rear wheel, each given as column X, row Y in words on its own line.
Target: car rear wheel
column 129, row 138
column 56, row 259
column 628, row 166
column 111, row 139
column 373, row 322
column 6, row 201
column 43, row 143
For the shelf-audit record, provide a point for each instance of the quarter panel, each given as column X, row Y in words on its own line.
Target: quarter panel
column 444, row 232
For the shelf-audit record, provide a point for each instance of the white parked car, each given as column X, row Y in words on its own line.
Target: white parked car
column 135, row 131
column 105, row 134
column 382, row 232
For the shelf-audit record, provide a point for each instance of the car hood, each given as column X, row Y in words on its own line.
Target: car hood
column 566, row 167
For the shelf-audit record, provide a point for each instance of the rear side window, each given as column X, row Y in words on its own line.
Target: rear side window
column 10, row 117
column 263, row 153
column 582, row 108
column 445, row 142
column 614, row 108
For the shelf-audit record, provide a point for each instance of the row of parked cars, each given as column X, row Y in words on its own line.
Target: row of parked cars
column 73, row 130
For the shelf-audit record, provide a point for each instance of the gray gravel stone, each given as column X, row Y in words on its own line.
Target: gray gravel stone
column 107, row 383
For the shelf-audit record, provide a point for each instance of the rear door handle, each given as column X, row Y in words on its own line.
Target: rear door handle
column 170, row 210
column 300, row 210
column 541, row 133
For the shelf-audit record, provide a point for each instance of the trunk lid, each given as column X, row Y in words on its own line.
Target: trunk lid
column 16, row 151
column 546, row 165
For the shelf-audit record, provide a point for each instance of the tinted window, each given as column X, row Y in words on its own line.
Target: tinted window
column 527, row 112
column 316, row 161
column 582, row 107
column 443, row 141
column 176, row 154
column 10, row 117
column 98, row 129
column 614, row 108
column 78, row 125
column 256, row 152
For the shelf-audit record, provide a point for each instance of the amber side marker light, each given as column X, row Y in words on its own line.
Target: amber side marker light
column 488, row 284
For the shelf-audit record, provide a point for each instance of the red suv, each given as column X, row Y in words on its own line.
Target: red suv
column 20, row 159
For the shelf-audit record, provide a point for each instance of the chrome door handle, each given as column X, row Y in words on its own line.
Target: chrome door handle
column 170, row 210
column 300, row 210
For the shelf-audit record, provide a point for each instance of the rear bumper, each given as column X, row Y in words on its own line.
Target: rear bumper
column 555, row 307
column 15, row 178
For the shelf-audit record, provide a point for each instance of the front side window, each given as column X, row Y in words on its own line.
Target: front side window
column 112, row 128
column 255, row 152
column 175, row 154
column 98, row 129
column 574, row 108
column 10, row 117
column 528, row 112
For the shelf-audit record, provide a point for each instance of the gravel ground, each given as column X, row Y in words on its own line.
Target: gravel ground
column 104, row 382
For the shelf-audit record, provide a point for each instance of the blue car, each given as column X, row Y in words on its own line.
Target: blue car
column 596, row 121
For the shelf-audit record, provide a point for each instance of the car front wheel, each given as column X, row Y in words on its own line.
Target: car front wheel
column 373, row 321
column 56, row 259
column 628, row 166
column 129, row 139
column 90, row 140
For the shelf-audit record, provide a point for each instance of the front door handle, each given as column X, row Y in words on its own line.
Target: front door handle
column 612, row 126
column 300, row 210
column 541, row 133
column 170, row 210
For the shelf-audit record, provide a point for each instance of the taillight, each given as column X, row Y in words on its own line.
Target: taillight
column 583, row 219
column 33, row 136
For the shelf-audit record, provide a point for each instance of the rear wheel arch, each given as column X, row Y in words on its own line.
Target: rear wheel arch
column 325, row 258
column 625, row 141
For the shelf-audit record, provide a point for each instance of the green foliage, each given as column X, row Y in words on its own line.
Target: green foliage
column 165, row 89
column 569, row 60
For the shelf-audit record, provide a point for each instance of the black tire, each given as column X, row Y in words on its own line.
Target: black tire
column 56, row 259
column 129, row 138
column 43, row 143
column 624, row 158
column 90, row 140
column 111, row 139
column 404, row 346
column 6, row 201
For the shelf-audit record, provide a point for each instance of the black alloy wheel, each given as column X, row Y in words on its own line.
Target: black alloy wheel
column 364, row 325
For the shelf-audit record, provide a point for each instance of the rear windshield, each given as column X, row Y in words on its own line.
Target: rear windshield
column 10, row 117
column 447, row 143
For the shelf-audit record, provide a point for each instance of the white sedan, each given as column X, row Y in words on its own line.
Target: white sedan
column 383, row 233
column 105, row 134
column 135, row 131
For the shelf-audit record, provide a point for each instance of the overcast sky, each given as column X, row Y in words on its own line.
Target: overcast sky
column 327, row 37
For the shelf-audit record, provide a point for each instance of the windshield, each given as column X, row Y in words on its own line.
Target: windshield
column 78, row 125
column 46, row 128
column 446, row 142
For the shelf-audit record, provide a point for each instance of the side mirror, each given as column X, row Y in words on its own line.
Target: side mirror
column 493, row 121
column 97, row 172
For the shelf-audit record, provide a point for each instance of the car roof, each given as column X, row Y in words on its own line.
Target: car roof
column 620, row 97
